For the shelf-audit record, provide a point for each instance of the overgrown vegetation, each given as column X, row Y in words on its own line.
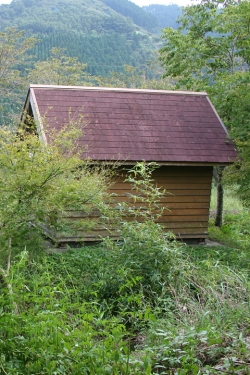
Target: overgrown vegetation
column 142, row 305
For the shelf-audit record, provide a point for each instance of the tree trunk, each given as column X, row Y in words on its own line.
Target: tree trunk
column 220, row 196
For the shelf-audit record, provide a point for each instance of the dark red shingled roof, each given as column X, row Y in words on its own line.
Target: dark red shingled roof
column 135, row 125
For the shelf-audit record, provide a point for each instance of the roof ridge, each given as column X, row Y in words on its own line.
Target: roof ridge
column 113, row 89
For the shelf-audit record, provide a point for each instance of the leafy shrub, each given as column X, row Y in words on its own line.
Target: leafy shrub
column 48, row 334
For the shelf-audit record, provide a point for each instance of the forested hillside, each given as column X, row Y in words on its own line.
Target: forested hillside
column 98, row 35
column 101, row 53
column 128, row 9
column 104, row 34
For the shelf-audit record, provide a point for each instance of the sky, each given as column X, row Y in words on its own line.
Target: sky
column 138, row 2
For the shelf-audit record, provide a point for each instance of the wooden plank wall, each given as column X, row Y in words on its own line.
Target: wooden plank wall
column 186, row 202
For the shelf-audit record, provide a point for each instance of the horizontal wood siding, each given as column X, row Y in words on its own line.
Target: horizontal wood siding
column 186, row 203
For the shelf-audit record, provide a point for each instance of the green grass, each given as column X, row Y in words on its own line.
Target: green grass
column 231, row 256
column 235, row 231
column 231, row 201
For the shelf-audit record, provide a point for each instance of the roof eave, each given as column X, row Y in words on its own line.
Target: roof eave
column 166, row 163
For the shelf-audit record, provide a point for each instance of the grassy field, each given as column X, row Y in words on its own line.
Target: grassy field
column 145, row 305
column 231, row 201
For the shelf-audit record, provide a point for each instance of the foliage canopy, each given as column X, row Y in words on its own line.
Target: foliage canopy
column 41, row 182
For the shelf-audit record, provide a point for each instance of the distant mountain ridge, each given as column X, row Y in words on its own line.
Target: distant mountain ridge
column 105, row 34
column 166, row 15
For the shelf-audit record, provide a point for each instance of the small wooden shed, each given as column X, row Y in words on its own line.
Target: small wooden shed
column 180, row 131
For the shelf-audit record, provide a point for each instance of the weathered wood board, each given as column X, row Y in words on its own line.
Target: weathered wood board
column 186, row 203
